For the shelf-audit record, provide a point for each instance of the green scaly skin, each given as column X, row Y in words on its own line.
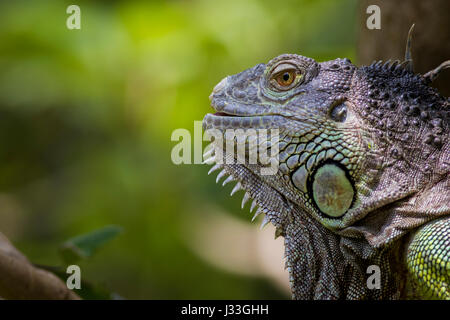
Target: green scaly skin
column 363, row 176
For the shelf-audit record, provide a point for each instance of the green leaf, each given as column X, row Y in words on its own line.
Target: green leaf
column 84, row 246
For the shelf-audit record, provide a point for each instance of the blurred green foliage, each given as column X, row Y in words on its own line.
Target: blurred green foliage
column 86, row 118
column 86, row 245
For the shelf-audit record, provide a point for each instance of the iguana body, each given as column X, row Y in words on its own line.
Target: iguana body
column 363, row 175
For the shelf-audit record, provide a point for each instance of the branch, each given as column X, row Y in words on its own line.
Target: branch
column 19, row 279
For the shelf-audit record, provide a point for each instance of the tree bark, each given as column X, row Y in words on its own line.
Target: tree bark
column 19, row 279
column 430, row 40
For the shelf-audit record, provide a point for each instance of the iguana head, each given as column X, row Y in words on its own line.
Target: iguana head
column 331, row 124
column 320, row 145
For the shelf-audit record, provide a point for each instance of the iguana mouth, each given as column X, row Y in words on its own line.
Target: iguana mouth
column 234, row 115
column 224, row 114
column 222, row 120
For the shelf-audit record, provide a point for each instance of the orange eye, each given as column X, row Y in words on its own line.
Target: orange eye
column 285, row 78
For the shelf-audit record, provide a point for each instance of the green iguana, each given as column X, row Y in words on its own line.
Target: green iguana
column 363, row 175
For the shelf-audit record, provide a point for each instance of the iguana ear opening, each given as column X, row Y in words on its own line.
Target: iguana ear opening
column 338, row 112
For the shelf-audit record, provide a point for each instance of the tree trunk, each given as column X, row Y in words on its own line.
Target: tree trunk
column 430, row 40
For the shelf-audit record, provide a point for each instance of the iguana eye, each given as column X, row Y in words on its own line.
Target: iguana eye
column 285, row 76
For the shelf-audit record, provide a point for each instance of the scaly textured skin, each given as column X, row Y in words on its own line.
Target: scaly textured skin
column 363, row 175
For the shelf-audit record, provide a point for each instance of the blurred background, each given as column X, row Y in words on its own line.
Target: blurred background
column 86, row 118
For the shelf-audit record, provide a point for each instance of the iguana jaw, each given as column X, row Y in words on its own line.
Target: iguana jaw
column 265, row 198
column 223, row 121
